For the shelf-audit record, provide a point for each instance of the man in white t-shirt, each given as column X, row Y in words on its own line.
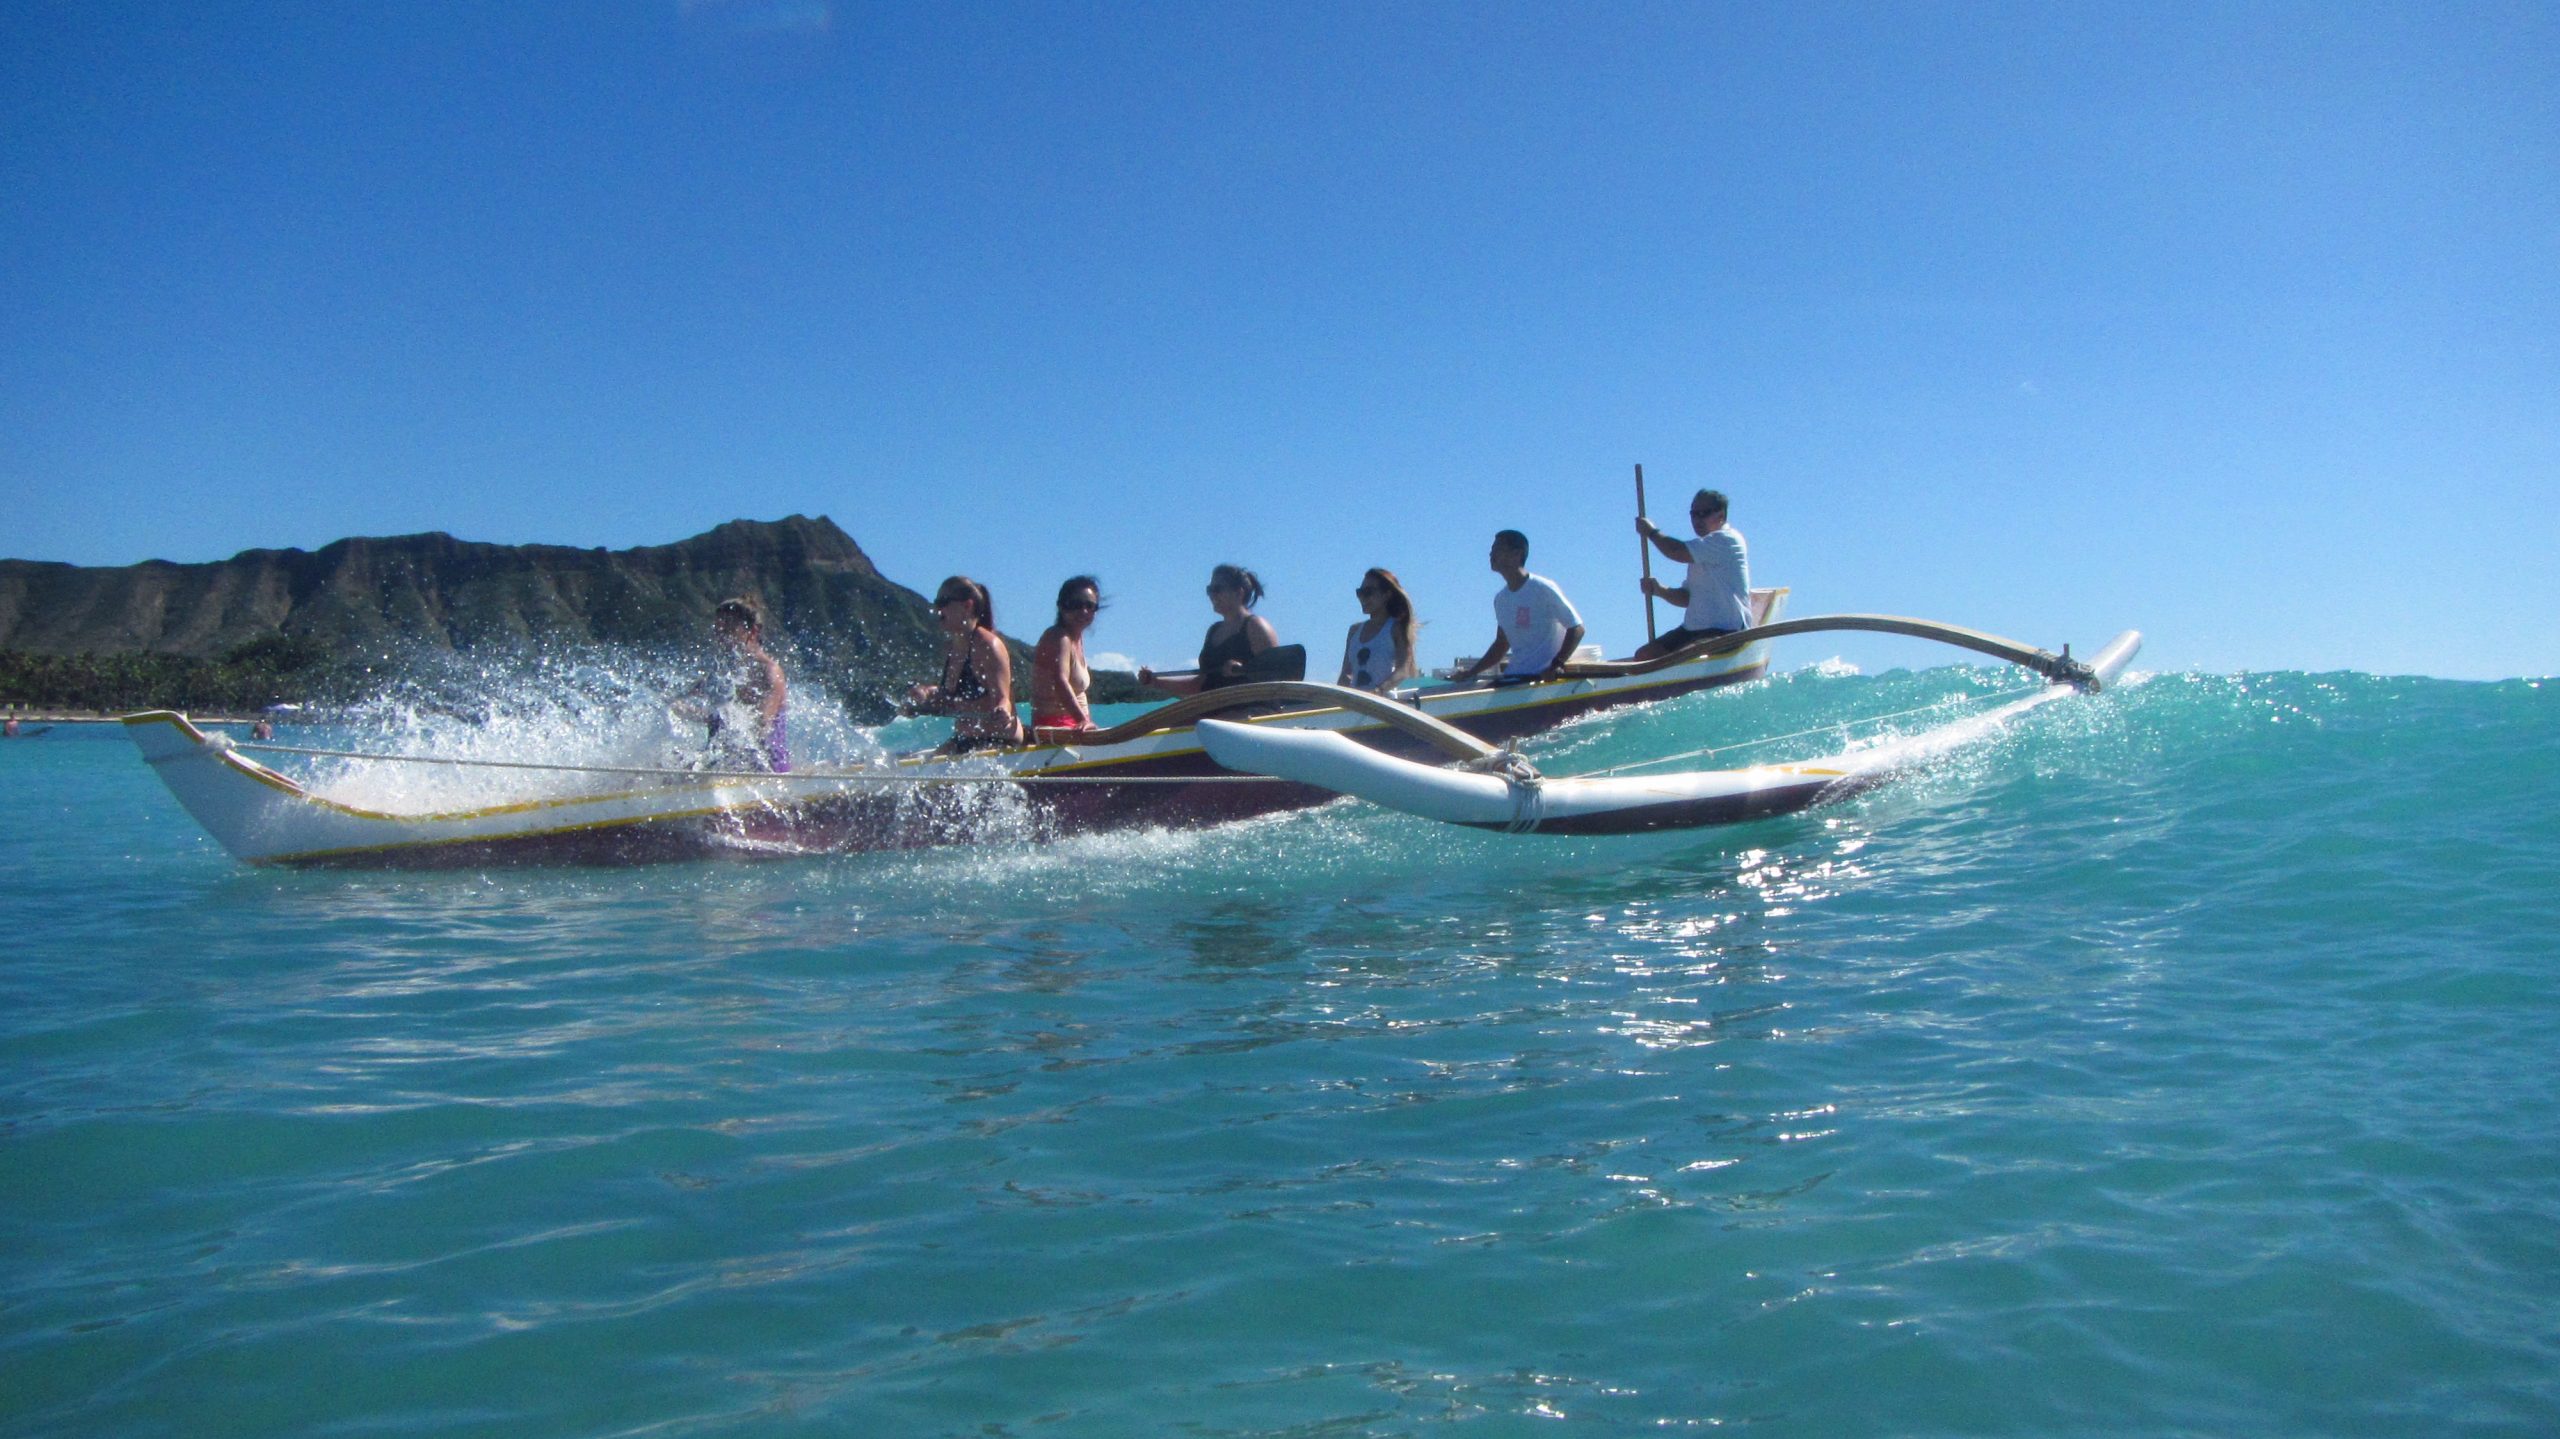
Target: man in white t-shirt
column 1536, row 629
column 1718, row 592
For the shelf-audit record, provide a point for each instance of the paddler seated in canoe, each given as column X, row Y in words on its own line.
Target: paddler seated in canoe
column 742, row 706
column 1060, row 681
column 1231, row 643
column 976, row 689
column 1536, row 629
column 1379, row 649
column 1718, row 590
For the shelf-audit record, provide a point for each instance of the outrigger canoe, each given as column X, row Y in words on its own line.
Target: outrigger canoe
column 1147, row 772
column 1157, row 770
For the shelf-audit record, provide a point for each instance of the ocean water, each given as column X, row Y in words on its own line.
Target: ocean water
column 2178, row 1063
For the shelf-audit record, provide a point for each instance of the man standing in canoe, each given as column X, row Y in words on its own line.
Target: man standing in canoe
column 1718, row 593
column 1536, row 628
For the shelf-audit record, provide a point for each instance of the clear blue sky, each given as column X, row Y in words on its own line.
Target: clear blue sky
column 2239, row 323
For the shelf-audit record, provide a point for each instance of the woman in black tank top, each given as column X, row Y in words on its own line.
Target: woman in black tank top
column 1231, row 643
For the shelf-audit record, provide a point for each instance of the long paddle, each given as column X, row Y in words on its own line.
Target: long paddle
column 1644, row 555
column 1280, row 662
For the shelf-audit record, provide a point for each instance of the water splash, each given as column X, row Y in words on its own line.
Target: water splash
column 451, row 719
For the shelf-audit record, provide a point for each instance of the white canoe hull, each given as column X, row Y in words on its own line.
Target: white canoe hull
column 263, row 816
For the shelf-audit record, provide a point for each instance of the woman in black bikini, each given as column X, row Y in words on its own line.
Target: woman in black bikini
column 1238, row 636
column 977, row 673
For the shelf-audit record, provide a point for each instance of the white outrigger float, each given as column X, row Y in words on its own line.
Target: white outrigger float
column 1280, row 745
column 1501, row 790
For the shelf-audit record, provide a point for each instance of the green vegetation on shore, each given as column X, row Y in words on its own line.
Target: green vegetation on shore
column 268, row 670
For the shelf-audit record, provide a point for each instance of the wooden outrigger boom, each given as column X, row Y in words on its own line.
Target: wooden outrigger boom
column 2061, row 668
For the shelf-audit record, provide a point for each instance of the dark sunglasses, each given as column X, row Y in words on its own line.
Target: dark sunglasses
column 1081, row 606
column 1367, row 590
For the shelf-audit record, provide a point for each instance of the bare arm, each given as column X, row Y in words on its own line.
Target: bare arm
column 1492, row 656
column 926, row 698
column 997, row 667
column 1258, row 636
column 1670, row 547
column 1059, row 679
column 1079, row 686
column 1052, row 688
column 994, row 668
column 1564, row 650
column 775, row 690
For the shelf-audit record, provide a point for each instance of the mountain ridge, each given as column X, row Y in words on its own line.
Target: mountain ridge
column 371, row 598
column 814, row 581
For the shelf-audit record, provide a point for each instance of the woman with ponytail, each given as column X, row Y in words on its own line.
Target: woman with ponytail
column 977, row 673
column 1238, row 636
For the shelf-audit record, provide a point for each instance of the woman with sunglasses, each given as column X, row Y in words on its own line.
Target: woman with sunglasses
column 1237, row 637
column 1059, row 679
column 1379, row 650
column 977, row 674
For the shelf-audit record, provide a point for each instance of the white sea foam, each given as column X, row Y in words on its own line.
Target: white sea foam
column 442, row 733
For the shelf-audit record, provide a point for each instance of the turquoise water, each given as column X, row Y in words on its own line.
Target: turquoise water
column 2179, row 1063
